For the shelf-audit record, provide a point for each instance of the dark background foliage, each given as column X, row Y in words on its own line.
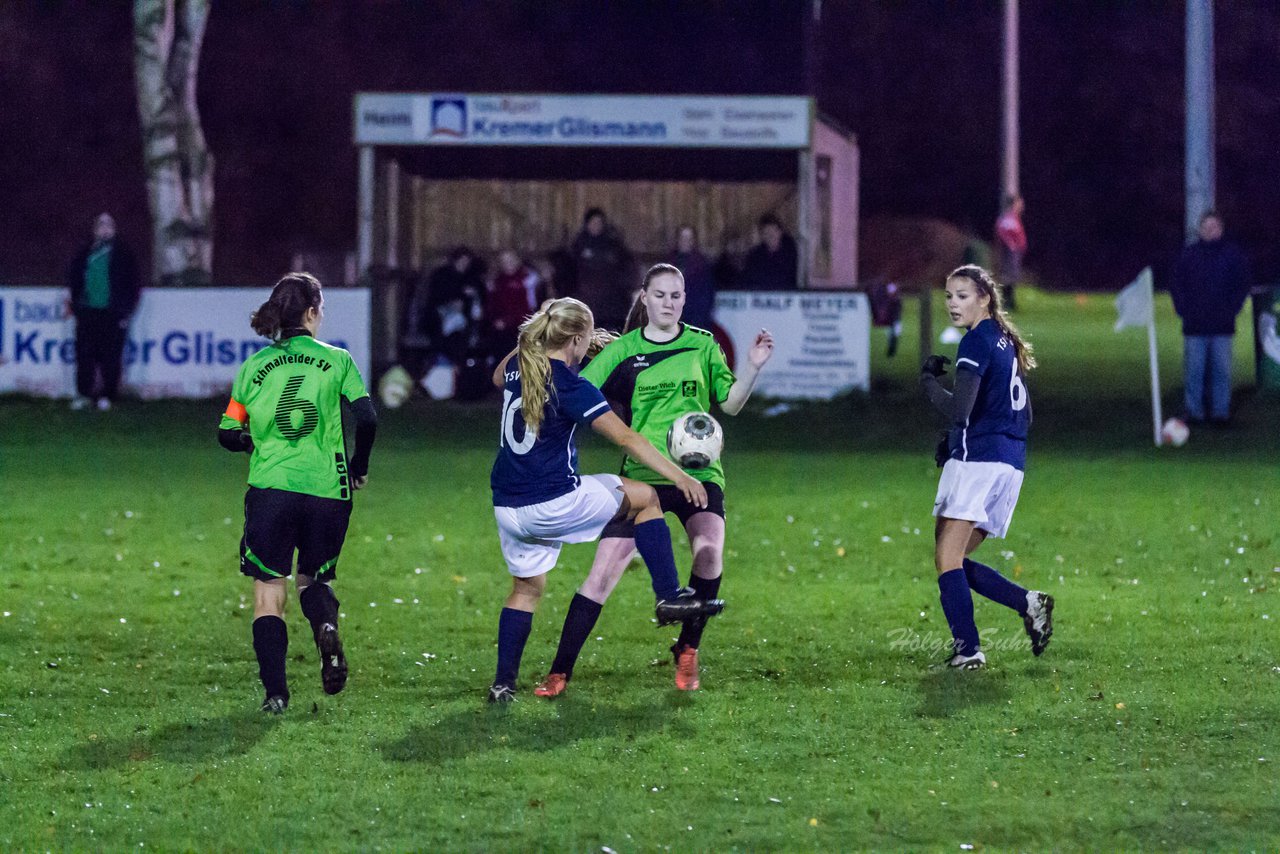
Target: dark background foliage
column 918, row 81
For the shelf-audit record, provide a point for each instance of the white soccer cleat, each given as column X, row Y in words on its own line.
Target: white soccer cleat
column 968, row 662
column 1038, row 621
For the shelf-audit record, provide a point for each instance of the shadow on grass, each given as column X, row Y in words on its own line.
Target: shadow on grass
column 217, row 738
column 487, row 728
column 944, row 691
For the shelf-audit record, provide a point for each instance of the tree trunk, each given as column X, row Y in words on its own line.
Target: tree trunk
column 166, row 49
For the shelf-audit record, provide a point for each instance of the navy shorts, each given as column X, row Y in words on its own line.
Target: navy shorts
column 672, row 501
column 277, row 523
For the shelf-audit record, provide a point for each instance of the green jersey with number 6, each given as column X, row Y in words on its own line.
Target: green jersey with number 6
column 651, row 384
column 288, row 396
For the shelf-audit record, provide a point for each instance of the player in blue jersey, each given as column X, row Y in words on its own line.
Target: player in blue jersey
column 539, row 499
column 988, row 412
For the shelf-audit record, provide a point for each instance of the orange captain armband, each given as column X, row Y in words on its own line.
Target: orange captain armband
column 235, row 410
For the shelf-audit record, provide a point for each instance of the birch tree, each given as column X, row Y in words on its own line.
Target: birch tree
column 167, row 35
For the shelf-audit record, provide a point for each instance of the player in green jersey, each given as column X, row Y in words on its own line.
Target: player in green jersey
column 657, row 371
column 286, row 412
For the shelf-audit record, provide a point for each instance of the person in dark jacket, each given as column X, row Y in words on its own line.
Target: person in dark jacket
column 699, row 278
column 449, row 305
column 771, row 264
column 104, row 291
column 1210, row 285
column 604, row 273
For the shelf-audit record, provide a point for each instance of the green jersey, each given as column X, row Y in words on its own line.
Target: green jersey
column 288, row 396
column 650, row 385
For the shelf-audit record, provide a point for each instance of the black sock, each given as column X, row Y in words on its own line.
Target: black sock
column 578, row 624
column 704, row 589
column 270, row 643
column 319, row 606
column 513, row 632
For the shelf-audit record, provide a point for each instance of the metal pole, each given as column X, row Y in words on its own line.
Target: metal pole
column 393, row 214
column 1009, row 168
column 1201, row 179
column 804, row 213
column 364, row 236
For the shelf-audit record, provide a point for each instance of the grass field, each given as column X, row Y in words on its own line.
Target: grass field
column 128, row 689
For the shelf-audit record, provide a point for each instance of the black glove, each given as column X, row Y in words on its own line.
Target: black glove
column 935, row 365
column 942, row 452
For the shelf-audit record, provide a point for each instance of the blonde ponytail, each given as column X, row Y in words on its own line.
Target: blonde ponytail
column 553, row 326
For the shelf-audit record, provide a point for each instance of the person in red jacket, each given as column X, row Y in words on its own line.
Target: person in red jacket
column 514, row 294
column 1011, row 243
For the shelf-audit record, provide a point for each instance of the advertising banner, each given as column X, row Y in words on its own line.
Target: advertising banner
column 183, row 342
column 822, row 340
column 624, row 120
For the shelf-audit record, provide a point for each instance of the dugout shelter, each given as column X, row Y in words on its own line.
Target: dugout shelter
column 497, row 171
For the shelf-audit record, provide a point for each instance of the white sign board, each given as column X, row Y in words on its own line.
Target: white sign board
column 584, row 120
column 183, row 342
column 822, row 340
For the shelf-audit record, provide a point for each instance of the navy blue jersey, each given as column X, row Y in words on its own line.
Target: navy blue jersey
column 536, row 467
column 996, row 431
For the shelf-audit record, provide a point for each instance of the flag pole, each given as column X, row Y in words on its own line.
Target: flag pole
column 1156, row 416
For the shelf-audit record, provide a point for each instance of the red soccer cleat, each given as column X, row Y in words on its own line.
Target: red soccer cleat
column 687, row 669
column 552, row 686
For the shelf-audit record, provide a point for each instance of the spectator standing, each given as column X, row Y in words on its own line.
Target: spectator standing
column 1011, row 243
column 1210, row 285
column 449, row 305
column 104, row 291
column 699, row 278
column 771, row 264
column 602, row 270
column 514, row 294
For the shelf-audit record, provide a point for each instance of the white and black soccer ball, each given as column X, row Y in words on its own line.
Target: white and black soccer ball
column 1175, row 432
column 695, row 440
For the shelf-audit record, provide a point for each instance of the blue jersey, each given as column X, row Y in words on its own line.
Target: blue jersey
column 536, row 467
column 996, row 431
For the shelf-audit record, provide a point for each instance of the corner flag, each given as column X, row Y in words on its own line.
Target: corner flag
column 1135, row 303
column 1135, row 306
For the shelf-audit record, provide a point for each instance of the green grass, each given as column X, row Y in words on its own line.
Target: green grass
column 128, row 688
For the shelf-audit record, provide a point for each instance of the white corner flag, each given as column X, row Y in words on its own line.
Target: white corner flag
column 1135, row 306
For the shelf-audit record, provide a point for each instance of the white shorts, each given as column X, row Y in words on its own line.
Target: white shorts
column 982, row 493
column 531, row 536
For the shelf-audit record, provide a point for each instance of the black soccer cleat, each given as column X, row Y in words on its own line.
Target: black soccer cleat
column 333, row 664
column 501, row 694
column 275, row 704
column 1038, row 621
column 686, row 607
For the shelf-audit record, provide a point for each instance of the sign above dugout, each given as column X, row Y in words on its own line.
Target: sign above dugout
column 663, row 121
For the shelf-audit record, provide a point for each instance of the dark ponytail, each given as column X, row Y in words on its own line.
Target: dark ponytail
column 289, row 301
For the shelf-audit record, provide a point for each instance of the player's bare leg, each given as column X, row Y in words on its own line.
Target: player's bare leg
column 952, row 538
column 706, row 541
column 271, row 642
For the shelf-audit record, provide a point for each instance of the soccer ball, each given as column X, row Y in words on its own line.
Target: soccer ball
column 695, row 440
column 1175, row 432
column 395, row 387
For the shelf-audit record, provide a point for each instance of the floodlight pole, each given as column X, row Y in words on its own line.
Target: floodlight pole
column 1009, row 167
column 1201, row 180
